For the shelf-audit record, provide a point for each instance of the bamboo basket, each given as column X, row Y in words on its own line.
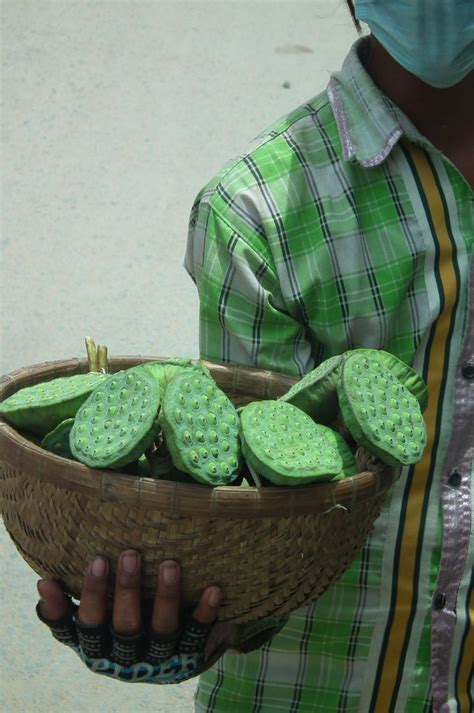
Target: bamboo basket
column 271, row 550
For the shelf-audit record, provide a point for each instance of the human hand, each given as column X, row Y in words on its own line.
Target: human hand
column 157, row 648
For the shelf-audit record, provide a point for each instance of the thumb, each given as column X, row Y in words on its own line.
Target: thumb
column 54, row 603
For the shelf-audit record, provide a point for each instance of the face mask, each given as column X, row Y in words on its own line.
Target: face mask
column 433, row 39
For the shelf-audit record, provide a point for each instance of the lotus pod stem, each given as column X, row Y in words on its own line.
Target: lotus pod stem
column 97, row 356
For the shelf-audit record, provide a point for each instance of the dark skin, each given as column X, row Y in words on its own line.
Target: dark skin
column 446, row 118
column 127, row 607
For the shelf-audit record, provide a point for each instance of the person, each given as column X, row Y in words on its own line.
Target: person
column 349, row 223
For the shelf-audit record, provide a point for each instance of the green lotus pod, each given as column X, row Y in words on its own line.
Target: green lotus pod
column 349, row 464
column 201, row 429
column 167, row 369
column 380, row 412
column 284, row 444
column 118, row 422
column 57, row 441
column 410, row 378
column 316, row 392
column 40, row 408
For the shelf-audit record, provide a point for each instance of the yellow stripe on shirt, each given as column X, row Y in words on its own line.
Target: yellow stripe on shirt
column 398, row 633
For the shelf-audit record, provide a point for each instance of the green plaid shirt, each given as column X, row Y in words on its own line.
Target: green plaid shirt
column 341, row 227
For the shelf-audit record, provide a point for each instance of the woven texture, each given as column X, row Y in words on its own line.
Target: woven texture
column 270, row 550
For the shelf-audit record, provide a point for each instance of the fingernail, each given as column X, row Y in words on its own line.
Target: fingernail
column 214, row 598
column 130, row 562
column 98, row 567
column 170, row 573
column 38, row 585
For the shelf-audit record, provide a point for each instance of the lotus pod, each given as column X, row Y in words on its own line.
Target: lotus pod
column 167, row 369
column 57, row 441
column 42, row 407
column 201, row 429
column 410, row 378
column 118, row 422
column 380, row 412
column 349, row 464
column 316, row 392
column 282, row 443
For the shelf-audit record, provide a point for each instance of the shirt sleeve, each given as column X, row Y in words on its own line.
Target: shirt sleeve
column 242, row 315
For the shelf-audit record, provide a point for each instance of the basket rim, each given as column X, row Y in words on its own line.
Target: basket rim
column 178, row 498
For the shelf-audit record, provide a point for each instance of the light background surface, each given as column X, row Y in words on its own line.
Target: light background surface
column 114, row 115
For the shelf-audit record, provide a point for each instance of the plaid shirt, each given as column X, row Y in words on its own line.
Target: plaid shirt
column 342, row 227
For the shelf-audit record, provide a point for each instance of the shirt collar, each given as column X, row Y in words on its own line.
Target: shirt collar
column 369, row 123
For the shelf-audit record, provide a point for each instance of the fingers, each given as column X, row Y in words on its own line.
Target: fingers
column 54, row 603
column 93, row 603
column 127, row 615
column 208, row 608
column 165, row 617
column 127, row 600
column 166, row 608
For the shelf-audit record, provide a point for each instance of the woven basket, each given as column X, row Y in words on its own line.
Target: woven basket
column 271, row 550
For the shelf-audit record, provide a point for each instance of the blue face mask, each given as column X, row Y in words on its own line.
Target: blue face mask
column 433, row 39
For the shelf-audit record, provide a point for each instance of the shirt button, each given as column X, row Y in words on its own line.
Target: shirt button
column 468, row 370
column 440, row 600
column 454, row 479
